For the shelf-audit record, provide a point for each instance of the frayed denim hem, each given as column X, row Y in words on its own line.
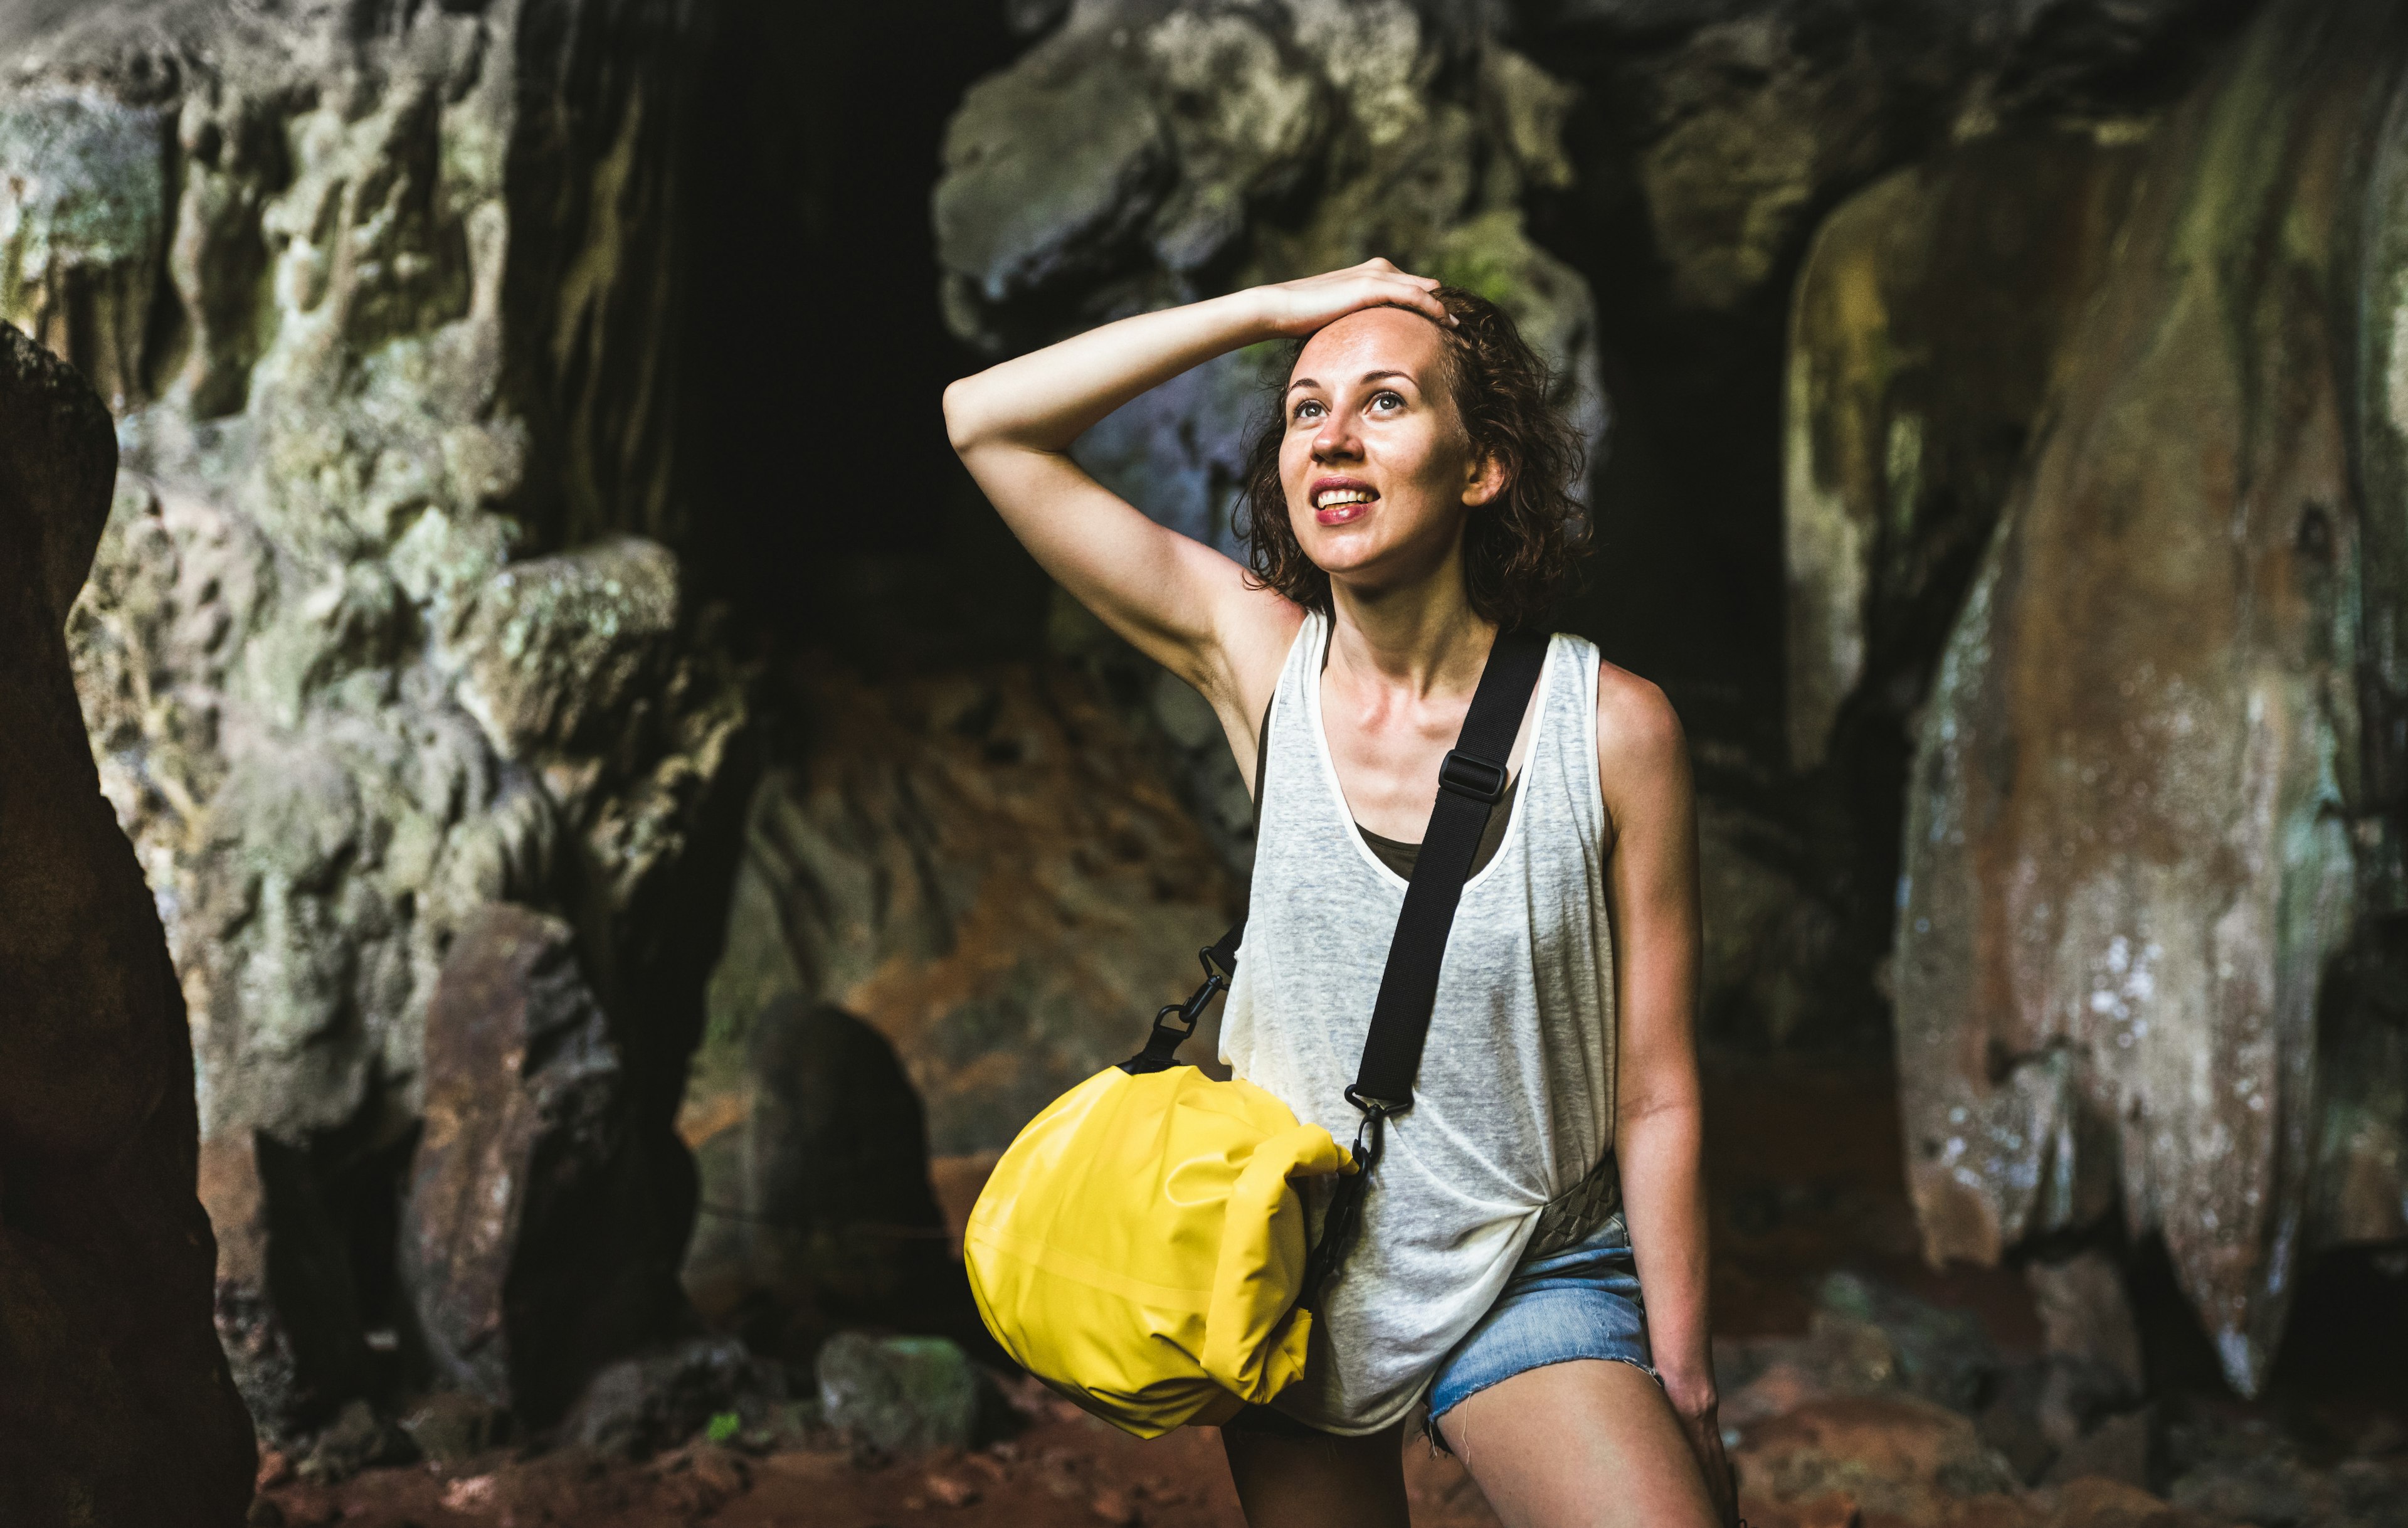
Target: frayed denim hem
column 1429, row 1418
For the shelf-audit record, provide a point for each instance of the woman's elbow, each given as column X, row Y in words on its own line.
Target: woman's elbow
column 1672, row 1101
column 961, row 414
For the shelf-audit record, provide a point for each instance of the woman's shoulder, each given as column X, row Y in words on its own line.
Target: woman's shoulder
column 1638, row 733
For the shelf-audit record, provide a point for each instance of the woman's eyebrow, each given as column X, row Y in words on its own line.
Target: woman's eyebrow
column 1367, row 376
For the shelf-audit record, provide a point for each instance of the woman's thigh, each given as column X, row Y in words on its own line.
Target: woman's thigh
column 1588, row 1444
column 1318, row 1482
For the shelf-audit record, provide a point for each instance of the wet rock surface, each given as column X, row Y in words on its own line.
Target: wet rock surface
column 118, row 1406
column 2140, row 828
column 383, row 628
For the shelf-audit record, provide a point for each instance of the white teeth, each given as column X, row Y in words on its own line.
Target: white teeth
column 1343, row 496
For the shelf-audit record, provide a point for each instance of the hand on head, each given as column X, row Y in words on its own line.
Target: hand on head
column 1310, row 302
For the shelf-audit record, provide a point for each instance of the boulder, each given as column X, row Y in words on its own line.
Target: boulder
column 118, row 1406
column 357, row 1439
column 2140, row 828
column 663, row 1397
column 384, row 626
column 2091, row 1407
column 534, row 1247
column 450, row 1427
column 816, row 1209
column 2087, row 1317
column 900, row 1394
column 1895, row 1455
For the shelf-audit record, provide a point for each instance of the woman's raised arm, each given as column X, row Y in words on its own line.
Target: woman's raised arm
column 1175, row 599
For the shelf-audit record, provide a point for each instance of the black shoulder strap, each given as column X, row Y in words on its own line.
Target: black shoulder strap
column 1469, row 782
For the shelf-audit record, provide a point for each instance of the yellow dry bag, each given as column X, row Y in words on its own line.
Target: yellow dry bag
column 1141, row 1247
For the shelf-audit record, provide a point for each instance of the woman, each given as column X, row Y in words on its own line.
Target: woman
column 1410, row 500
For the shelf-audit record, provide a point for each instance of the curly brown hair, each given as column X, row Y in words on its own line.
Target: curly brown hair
column 1519, row 548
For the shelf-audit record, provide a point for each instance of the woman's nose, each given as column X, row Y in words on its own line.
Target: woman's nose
column 1335, row 441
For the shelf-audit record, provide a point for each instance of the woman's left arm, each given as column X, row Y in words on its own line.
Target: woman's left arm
column 1652, row 896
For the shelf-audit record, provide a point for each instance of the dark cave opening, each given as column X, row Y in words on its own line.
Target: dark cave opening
column 830, row 511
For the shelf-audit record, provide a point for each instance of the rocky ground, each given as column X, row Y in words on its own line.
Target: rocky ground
column 1860, row 1389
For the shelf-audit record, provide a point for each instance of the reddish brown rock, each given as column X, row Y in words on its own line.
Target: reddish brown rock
column 2095, row 1503
column 287, row 1304
column 532, row 1242
column 1887, row 1455
column 117, row 1407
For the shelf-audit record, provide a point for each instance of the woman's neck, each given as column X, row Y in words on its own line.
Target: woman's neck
column 1423, row 639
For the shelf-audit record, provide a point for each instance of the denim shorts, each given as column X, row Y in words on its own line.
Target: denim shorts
column 1579, row 1303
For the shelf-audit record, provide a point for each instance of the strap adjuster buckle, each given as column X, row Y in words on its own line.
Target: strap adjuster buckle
column 1469, row 774
column 1376, row 1108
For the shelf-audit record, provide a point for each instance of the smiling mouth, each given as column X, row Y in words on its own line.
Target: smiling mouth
column 1336, row 506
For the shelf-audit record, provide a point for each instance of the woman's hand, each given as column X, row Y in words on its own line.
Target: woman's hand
column 1300, row 307
column 1695, row 1406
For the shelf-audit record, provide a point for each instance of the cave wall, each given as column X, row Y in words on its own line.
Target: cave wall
column 2151, row 851
column 386, row 626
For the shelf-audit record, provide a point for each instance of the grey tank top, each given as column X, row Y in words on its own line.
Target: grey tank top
column 1514, row 1105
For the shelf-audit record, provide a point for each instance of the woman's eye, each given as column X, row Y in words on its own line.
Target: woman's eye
column 1309, row 409
column 1385, row 399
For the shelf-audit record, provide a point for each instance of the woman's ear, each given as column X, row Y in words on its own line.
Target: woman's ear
column 1484, row 479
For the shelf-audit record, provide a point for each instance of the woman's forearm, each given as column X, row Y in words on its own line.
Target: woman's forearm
column 1049, row 398
column 1664, row 1203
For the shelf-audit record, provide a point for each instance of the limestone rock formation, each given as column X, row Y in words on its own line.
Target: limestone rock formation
column 2152, row 847
column 382, row 630
column 118, row 1406
column 1925, row 330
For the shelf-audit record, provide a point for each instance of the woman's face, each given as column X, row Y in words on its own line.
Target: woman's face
column 1377, row 470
